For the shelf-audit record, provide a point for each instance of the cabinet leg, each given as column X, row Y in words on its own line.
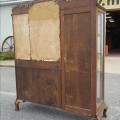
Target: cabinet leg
column 17, row 102
column 104, row 112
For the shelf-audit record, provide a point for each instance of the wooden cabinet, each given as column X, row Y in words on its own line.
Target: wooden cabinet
column 59, row 51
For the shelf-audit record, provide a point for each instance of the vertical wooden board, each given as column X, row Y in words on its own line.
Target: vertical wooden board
column 19, row 82
column 78, row 60
column 77, row 93
column 45, row 31
column 27, row 84
column 70, row 37
column 84, row 89
column 71, row 88
column 34, row 86
column 21, row 36
column 24, row 83
column 84, row 42
column 49, row 88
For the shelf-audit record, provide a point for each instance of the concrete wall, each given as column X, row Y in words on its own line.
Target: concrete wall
column 5, row 23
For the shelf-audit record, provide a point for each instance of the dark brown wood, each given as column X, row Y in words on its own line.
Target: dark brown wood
column 92, row 72
column 94, row 2
column 49, row 88
column 78, row 110
column 93, row 61
column 74, row 4
column 38, row 64
column 64, row 4
column 19, row 81
column 39, row 86
column 77, row 57
column 21, row 9
column 74, row 46
column 62, row 58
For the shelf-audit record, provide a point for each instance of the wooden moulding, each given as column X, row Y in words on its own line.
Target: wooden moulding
column 21, row 9
column 74, row 4
column 93, row 61
column 38, row 64
column 64, row 4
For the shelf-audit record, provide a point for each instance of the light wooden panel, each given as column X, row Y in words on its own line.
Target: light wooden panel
column 45, row 31
column 21, row 36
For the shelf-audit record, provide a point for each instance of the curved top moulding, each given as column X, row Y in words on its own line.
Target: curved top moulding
column 23, row 9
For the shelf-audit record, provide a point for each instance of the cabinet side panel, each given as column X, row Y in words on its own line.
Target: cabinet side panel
column 78, row 60
column 21, row 36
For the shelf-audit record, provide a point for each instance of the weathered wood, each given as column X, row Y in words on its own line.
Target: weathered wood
column 19, row 83
column 64, row 4
column 77, row 43
column 21, row 9
column 68, row 81
column 93, row 61
column 38, row 64
column 39, row 86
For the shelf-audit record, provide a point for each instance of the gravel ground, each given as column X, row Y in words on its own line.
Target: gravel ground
column 31, row 111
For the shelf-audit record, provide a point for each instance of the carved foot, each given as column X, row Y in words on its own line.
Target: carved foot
column 17, row 102
column 104, row 112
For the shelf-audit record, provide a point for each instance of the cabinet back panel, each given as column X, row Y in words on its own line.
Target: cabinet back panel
column 38, row 85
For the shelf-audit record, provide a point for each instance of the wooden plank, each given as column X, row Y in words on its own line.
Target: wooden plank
column 39, row 86
column 38, row 64
column 81, row 111
column 34, row 86
column 19, row 83
column 93, row 61
column 73, row 4
column 27, row 83
column 49, row 85
column 77, row 60
column 23, row 9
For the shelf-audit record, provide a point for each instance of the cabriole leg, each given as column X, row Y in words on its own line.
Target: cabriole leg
column 104, row 112
column 17, row 102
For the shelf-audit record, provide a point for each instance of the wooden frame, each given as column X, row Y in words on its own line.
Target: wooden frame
column 66, row 107
column 102, row 105
column 30, row 74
